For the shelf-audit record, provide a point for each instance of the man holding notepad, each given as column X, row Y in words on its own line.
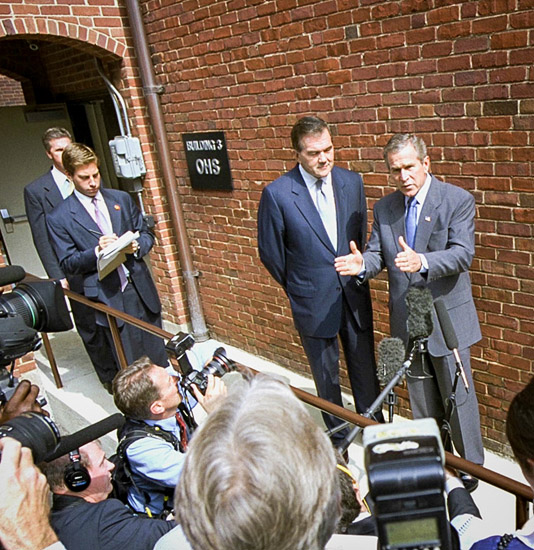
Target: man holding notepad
column 84, row 228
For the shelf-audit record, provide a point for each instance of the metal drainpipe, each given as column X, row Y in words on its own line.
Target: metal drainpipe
column 151, row 90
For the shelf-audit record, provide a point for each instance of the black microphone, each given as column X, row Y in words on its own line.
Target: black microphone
column 78, row 439
column 420, row 305
column 11, row 274
column 390, row 358
column 451, row 341
column 392, row 348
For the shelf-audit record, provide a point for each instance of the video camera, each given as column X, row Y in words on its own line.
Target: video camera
column 31, row 307
column 39, row 433
column 405, row 469
column 34, row 430
column 219, row 364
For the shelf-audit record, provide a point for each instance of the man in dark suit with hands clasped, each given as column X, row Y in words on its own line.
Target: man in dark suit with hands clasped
column 306, row 218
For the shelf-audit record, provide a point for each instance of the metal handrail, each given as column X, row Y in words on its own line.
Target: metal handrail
column 521, row 491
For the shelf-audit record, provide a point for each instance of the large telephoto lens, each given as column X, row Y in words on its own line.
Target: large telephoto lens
column 35, row 431
column 41, row 304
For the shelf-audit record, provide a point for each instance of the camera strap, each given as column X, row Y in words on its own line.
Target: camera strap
column 122, row 475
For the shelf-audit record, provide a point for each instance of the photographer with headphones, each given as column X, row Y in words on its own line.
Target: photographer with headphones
column 82, row 515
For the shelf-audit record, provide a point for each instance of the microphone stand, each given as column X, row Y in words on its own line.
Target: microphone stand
column 446, row 430
column 377, row 403
column 391, row 402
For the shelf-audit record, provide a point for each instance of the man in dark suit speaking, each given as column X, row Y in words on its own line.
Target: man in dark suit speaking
column 306, row 218
column 40, row 198
column 424, row 234
column 84, row 224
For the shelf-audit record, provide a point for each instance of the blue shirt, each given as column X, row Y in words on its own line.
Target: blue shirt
column 156, row 467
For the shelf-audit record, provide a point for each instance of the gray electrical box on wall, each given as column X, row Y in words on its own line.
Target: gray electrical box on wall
column 127, row 157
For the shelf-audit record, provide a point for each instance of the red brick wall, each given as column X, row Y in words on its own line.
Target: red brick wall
column 458, row 73
column 70, row 37
column 10, row 92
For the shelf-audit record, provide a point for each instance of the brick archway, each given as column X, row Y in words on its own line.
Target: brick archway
column 56, row 30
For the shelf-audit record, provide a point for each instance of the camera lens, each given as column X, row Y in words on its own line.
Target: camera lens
column 41, row 304
column 35, row 431
column 220, row 364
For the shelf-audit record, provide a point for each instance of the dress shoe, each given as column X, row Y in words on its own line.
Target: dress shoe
column 470, row 482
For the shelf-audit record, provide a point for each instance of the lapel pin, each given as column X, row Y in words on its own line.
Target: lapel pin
column 117, row 207
column 427, row 218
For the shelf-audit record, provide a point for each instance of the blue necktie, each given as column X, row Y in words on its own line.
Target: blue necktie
column 411, row 221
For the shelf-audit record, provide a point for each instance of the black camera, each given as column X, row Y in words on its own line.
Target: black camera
column 31, row 307
column 218, row 365
column 406, row 476
column 35, row 431
column 8, row 385
column 179, row 344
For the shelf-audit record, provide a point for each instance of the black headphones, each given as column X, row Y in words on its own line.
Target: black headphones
column 76, row 476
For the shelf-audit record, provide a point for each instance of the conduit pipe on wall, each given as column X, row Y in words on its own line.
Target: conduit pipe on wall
column 151, row 90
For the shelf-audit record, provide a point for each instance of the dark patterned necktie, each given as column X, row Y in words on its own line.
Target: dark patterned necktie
column 183, row 432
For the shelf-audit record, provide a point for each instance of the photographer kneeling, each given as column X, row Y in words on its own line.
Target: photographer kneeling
column 156, row 433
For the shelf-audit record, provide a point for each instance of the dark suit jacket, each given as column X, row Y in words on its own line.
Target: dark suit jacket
column 75, row 236
column 445, row 235
column 106, row 525
column 295, row 248
column 40, row 198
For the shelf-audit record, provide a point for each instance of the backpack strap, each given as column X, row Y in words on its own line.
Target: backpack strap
column 132, row 431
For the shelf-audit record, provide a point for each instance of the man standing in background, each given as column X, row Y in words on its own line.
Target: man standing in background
column 306, row 218
column 86, row 223
column 40, row 198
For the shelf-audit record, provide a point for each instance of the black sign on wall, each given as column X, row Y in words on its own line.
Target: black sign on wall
column 207, row 161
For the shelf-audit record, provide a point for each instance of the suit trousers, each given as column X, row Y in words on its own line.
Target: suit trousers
column 323, row 356
column 137, row 342
column 99, row 349
column 430, row 396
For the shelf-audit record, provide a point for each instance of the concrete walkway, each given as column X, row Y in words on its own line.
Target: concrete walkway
column 83, row 401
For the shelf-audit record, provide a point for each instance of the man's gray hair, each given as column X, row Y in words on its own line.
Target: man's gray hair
column 400, row 141
column 259, row 475
column 54, row 133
